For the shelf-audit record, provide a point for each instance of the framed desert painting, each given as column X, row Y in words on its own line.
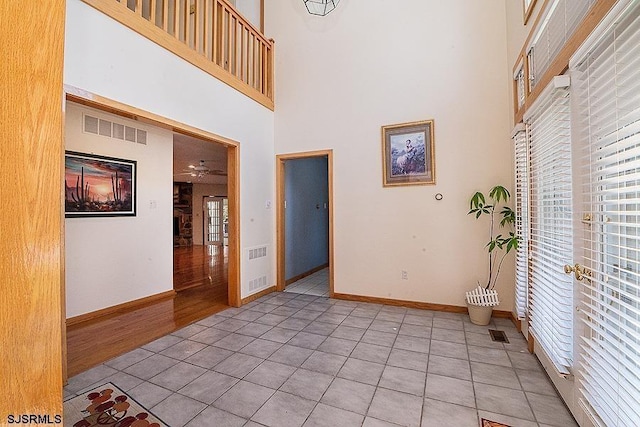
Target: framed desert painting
column 408, row 156
column 98, row 186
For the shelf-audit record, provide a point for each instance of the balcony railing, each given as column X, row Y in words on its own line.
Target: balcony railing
column 210, row 34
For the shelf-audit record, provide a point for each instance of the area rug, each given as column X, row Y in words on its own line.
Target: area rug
column 107, row 406
column 487, row 423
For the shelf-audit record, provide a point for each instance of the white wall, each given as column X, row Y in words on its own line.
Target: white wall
column 106, row 58
column 341, row 77
column 109, row 261
column 200, row 191
column 250, row 9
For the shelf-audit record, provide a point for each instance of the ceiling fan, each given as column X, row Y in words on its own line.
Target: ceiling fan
column 201, row 170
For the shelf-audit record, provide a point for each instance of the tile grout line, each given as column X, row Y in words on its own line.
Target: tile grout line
column 337, row 308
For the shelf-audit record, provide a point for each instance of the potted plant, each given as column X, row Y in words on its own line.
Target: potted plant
column 481, row 300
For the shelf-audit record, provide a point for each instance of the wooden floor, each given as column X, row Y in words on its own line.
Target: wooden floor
column 200, row 279
column 199, row 265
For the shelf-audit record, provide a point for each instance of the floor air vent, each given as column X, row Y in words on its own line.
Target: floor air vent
column 498, row 336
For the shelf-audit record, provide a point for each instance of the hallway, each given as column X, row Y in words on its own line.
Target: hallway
column 316, row 284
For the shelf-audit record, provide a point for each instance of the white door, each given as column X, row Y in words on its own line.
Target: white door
column 608, row 89
column 214, row 221
column 550, row 236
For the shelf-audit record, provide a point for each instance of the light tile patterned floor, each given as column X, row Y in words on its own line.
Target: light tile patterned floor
column 295, row 359
column 316, row 284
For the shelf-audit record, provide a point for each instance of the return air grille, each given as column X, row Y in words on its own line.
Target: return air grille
column 498, row 336
column 114, row 130
column 258, row 252
column 258, row 283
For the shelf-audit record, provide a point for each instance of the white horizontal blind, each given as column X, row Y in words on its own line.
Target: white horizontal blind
column 609, row 98
column 522, row 221
column 561, row 20
column 551, row 234
column 520, row 87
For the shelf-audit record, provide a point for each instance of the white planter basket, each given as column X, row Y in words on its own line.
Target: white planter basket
column 483, row 297
column 480, row 303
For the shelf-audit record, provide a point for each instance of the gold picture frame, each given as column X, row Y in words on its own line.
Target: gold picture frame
column 408, row 154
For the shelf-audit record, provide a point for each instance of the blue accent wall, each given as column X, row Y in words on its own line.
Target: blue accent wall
column 306, row 217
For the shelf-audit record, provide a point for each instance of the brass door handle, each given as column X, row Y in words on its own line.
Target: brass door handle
column 579, row 271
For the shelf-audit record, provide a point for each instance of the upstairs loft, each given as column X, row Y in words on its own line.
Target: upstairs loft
column 210, row 34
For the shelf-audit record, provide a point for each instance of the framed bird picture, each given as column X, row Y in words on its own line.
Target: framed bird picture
column 408, row 156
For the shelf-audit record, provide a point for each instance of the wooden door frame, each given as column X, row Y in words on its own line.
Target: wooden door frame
column 79, row 96
column 83, row 97
column 32, row 220
column 280, row 222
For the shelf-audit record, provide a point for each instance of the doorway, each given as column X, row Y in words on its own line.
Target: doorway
column 305, row 220
column 199, row 174
column 216, row 221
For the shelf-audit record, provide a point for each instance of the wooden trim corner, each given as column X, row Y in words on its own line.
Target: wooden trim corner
column 257, row 295
column 531, row 343
column 516, row 322
column 527, row 11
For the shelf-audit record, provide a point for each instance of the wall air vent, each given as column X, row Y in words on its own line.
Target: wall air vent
column 258, row 252
column 114, row 130
column 258, row 283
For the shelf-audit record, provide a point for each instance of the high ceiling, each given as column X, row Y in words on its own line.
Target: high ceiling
column 189, row 151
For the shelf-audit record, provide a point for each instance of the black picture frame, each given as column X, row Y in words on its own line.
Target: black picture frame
column 99, row 186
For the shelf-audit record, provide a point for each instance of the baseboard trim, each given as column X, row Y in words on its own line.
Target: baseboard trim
column 125, row 306
column 517, row 322
column 305, row 274
column 502, row 314
column 531, row 342
column 416, row 304
column 257, row 295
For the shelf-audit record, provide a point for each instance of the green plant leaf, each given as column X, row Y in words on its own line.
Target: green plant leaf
column 499, row 193
column 477, row 200
column 508, row 216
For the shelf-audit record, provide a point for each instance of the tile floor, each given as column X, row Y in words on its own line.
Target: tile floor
column 316, row 284
column 290, row 360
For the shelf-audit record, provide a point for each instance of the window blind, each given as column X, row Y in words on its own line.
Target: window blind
column 520, row 87
column 522, row 220
column 551, row 235
column 608, row 90
column 561, row 19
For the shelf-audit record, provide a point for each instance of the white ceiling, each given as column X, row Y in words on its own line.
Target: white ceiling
column 189, row 151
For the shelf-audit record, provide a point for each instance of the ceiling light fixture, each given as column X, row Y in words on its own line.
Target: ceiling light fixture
column 320, row 7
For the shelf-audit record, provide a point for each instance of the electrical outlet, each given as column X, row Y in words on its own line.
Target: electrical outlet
column 404, row 275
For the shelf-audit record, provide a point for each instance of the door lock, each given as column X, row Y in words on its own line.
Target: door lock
column 579, row 271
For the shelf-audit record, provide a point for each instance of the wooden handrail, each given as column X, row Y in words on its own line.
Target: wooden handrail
column 210, row 34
